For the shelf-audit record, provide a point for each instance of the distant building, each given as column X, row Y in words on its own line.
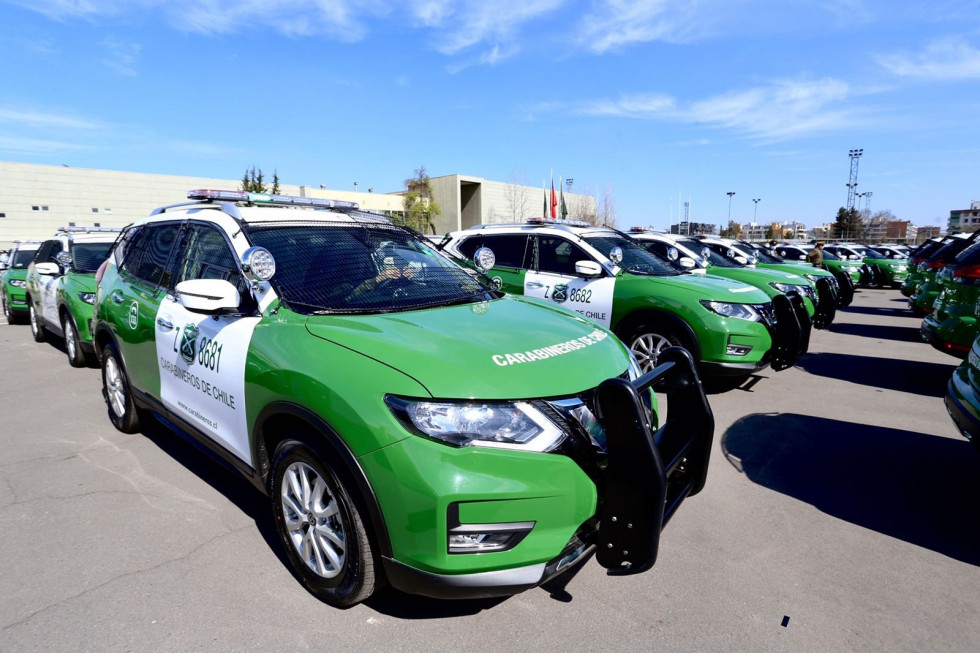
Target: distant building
column 923, row 234
column 899, row 231
column 37, row 199
column 822, row 232
column 694, row 228
column 965, row 220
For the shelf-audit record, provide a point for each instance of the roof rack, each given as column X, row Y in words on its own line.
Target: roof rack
column 266, row 199
column 570, row 223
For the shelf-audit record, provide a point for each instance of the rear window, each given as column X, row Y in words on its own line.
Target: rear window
column 948, row 252
column 970, row 255
column 361, row 268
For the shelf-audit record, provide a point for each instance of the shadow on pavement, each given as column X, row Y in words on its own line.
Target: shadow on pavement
column 927, row 379
column 919, row 488
column 873, row 310
column 878, row 331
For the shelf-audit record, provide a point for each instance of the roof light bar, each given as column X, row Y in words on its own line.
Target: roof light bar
column 269, row 199
column 571, row 223
column 79, row 230
column 638, row 230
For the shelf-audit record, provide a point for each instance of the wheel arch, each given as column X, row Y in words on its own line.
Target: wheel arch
column 280, row 421
column 641, row 316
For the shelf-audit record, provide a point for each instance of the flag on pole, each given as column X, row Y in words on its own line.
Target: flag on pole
column 554, row 198
column 561, row 205
column 544, row 207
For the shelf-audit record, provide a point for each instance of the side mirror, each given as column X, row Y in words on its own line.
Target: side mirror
column 208, row 296
column 587, row 269
column 3, row 265
column 687, row 262
column 742, row 260
column 484, row 259
column 802, row 258
column 47, row 268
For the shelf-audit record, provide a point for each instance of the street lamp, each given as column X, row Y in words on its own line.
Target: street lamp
column 755, row 212
column 355, row 186
column 730, row 193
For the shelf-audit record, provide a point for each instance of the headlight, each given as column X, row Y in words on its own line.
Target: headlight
column 900, row 268
column 813, row 277
column 87, row 297
column 19, row 283
column 740, row 311
column 506, row 425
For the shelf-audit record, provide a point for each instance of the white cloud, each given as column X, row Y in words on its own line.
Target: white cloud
column 38, row 120
column 122, row 56
column 779, row 111
column 615, row 24
column 34, row 146
column 942, row 60
column 462, row 25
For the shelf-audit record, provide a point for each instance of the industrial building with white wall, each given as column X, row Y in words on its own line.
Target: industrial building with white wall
column 37, row 199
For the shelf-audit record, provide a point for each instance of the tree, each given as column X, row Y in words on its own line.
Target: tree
column 606, row 209
column 733, row 230
column 770, row 233
column 847, row 225
column 252, row 181
column 518, row 197
column 275, row 182
column 874, row 225
column 419, row 206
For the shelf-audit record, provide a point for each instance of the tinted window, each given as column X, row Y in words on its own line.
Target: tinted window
column 559, row 255
column 207, row 255
column 87, row 257
column 47, row 251
column 148, row 253
column 970, row 255
column 510, row 250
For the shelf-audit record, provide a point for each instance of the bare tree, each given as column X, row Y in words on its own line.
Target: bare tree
column 606, row 208
column 873, row 226
column 518, row 196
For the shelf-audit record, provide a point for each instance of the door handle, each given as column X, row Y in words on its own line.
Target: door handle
column 117, row 297
column 535, row 284
column 164, row 323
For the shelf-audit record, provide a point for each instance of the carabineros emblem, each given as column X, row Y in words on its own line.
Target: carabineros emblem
column 560, row 293
column 188, row 343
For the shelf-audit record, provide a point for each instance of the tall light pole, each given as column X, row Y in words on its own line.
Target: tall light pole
column 755, row 212
column 730, row 193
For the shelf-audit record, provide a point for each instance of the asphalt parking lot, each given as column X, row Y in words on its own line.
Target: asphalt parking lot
column 842, row 513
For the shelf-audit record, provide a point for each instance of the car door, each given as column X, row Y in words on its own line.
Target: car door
column 554, row 279
column 202, row 357
column 133, row 302
column 45, row 286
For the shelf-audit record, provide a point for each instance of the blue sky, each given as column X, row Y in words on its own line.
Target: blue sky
column 649, row 102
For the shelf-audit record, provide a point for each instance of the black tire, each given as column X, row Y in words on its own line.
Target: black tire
column 117, row 392
column 876, row 278
column 36, row 329
column 7, row 313
column 73, row 346
column 648, row 339
column 330, row 552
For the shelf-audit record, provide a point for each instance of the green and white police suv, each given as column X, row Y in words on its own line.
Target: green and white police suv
column 61, row 287
column 13, row 275
column 410, row 425
column 730, row 328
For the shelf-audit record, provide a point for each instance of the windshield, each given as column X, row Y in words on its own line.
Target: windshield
column 830, row 256
column 766, row 257
column 361, row 268
column 87, row 257
column 870, row 253
column 22, row 258
column 714, row 258
column 636, row 259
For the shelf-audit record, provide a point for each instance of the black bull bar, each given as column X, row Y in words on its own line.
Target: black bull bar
column 826, row 304
column 649, row 474
column 791, row 332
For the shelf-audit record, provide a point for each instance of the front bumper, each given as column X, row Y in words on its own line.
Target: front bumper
column 828, row 297
column 790, row 331
column 645, row 477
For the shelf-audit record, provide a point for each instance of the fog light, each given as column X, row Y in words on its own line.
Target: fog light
column 483, row 538
column 738, row 350
column 478, row 542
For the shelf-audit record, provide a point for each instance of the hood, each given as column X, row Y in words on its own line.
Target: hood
column 708, row 287
column 509, row 348
column 760, row 277
column 81, row 281
column 790, row 268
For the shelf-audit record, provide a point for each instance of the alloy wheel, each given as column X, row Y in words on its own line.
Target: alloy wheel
column 313, row 520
